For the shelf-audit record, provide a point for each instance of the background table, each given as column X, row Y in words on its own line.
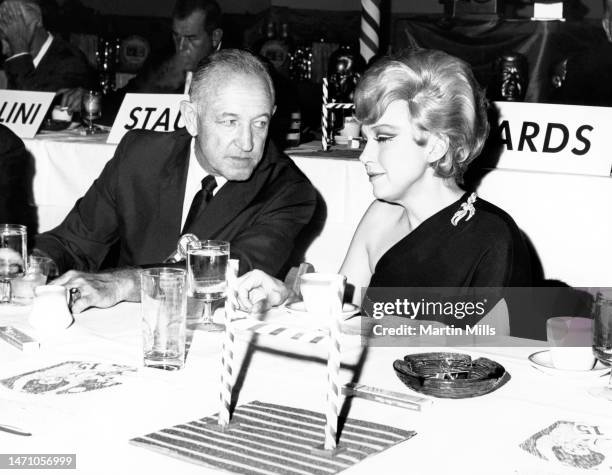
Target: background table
column 479, row 435
column 566, row 217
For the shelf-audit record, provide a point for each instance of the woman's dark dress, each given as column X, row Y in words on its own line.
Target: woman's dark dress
column 470, row 262
column 487, row 250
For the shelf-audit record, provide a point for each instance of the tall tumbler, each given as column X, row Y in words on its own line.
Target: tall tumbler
column 163, row 294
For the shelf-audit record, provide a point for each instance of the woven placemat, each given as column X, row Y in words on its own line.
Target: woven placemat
column 268, row 438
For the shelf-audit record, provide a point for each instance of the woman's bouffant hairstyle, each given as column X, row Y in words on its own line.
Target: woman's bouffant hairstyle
column 443, row 98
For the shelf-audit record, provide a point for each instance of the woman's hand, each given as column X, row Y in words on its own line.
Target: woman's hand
column 256, row 292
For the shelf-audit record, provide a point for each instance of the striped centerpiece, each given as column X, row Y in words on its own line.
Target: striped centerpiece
column 369, row 40
column 272, row 439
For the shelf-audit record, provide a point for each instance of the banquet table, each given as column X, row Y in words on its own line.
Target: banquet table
column 477, row 435
column 565, row 217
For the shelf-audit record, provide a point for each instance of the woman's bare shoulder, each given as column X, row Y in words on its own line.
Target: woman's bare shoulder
column 380, row 213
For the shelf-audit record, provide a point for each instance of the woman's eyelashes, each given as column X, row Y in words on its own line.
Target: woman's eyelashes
column 383, row 138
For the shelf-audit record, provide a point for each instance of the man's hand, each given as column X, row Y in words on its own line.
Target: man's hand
column 257, row 292
column 102, row 290
column 17, row 30
column 72, row 98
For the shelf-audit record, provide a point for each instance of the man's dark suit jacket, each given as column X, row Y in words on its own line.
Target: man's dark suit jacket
column 16, row 174
column 62, row 66
column 138, row 201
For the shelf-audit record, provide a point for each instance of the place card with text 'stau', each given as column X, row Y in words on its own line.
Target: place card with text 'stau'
column 270, row 438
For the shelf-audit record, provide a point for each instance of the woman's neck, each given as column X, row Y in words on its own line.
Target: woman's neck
column 428, row 197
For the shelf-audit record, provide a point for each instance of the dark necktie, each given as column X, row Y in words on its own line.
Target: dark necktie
column 200, row 200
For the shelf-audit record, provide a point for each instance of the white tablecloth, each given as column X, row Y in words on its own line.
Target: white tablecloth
column 467, row 436
column 566, row 217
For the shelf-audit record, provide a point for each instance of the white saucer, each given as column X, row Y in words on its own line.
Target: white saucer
column 298, row 308
column 542, row 361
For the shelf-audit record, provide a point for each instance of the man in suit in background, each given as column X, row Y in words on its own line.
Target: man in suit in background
column 37, row 60
column 16, row 174
column 145, row 198
column 196, row 34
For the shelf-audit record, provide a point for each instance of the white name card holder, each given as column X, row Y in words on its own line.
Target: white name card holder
column 24, row 111
column 157, row 112
column 555, row 138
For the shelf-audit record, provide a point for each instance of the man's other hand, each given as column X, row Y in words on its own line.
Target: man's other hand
column 102, row 289
column 72, row 98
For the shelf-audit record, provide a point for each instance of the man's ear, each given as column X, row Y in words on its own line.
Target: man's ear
column 216, row 37
column 437, row 146
column 189, row 111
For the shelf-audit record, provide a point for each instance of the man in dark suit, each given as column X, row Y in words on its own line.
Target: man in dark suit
column 16, row 173
column 196, row 33
column 145, row 195
column 37, row 60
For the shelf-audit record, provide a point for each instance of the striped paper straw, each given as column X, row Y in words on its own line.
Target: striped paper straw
column 370, row 26
column 324, row 138
column 227, row 359
column 227, row 350
column 336, row 292
column 340, row 105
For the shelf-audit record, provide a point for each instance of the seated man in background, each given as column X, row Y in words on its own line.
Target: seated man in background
column 196, row 34
column 16, row 173
column 145, row 198
column 37, row 60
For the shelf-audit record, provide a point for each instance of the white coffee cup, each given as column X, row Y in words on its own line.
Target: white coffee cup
column 570, row 340
column 50, row 311
column 315, row 289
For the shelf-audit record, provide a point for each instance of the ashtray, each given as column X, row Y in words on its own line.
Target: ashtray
column 450, row 375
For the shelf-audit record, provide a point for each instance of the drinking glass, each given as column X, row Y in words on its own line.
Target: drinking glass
column 206, row 271
column 91, row 109
column 13, row 256
column 38, row 271
column 163, row 304
column 602, row 341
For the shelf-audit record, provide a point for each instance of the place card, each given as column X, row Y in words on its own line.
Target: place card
column 554, row 138
column 24, row 111
column 157, row 112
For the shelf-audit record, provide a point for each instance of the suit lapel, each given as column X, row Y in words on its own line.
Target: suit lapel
column 233, row 198
column 171, row 192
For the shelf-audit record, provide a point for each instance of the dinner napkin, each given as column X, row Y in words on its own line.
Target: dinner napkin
column 269, row 438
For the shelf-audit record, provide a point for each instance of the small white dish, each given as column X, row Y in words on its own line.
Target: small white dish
column 298, row 308
column 542, row 361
